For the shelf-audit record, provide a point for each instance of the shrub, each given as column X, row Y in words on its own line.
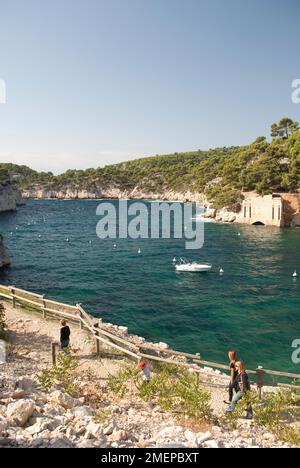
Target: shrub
column 274, row 413
column 174, row 389
column 63, row 374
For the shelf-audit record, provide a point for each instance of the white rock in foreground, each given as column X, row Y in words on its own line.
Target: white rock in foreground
column 19, row 412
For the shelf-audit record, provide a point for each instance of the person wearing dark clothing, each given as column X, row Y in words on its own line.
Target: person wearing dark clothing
column 65, row 333
column 233, row 375
column 241, row 385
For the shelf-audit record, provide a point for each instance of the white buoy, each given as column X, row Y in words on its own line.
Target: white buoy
column 90, row 242
column 115, row 246
column 67, row 239
column 174, row 260
column 239, row 234
column 295, row 274
column 221, row 271
column 139, row 251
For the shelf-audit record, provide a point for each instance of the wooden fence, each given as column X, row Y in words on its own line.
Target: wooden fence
column 78, row 316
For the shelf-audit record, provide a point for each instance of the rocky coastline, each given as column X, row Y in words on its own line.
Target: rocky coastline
column 114, row 193
column 10, row 199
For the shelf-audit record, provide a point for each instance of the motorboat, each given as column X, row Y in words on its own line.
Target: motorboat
column 193, row 267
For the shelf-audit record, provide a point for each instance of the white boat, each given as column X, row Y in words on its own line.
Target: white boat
column 193, row 267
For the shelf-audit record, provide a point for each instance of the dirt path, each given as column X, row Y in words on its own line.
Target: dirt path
column 32, row 335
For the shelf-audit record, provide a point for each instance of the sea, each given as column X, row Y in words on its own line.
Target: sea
column 253, row 307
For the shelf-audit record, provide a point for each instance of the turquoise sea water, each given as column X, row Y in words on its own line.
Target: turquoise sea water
column 253, row 307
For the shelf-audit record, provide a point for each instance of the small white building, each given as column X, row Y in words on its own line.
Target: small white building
column 267, row 210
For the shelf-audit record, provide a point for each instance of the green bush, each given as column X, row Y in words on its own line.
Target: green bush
column 62, row 374
column 173, row 388
column 275, row 413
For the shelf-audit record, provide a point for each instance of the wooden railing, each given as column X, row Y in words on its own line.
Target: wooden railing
column 77, row 315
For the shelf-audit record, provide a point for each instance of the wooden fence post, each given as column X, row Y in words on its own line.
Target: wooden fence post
column 12, row 291
column 44, row 307
column 80, row 316
column 260, row 374
column 53, row 352
column 96, row 326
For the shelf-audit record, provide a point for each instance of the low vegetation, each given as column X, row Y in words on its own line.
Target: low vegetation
column 179, row 391
column 172, row 388
column 277, row 413
column 61, row 374
column 221, row 173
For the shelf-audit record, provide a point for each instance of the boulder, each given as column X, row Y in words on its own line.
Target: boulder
column 62, row 399
column 108, row 430
column 86, row 444
column 118, row 435
column 82, row 412
column 3, row 427
column 225, row 216
column 25, row 384
column 191, row 437
column 296, row 220
column 42, row 424
column 201, row 438
column 61, row 442
column 210, row 213
column 95, row 429
column 20, row 411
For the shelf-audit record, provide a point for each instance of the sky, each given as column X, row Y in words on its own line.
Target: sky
column 95, row 82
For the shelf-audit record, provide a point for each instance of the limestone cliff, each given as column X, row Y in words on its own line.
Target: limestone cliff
column 10, row 197
column 68, row 193
column 4, row 256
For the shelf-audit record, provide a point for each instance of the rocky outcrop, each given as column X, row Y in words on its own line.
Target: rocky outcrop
column 226, row 216
column 68, row 193
column 4, row 256
column 296, row 220
column 10, row 197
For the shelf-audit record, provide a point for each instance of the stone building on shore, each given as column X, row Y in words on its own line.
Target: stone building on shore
column 278, row 209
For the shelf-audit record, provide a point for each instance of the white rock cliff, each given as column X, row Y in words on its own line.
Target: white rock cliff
column 10, row 198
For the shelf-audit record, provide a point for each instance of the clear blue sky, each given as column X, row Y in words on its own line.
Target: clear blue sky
column 92, row 82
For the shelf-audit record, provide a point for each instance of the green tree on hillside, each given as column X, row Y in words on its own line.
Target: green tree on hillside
column 284, row 128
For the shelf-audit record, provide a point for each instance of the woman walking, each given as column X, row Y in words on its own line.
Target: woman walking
column 241, row 386
column 233, row 374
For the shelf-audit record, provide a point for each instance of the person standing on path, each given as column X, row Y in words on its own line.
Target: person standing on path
column 242, row 387
column 65, row 333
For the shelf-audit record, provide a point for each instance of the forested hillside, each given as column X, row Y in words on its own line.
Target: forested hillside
column 221, row 173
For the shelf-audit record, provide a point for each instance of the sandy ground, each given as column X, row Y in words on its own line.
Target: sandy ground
column 32, row 335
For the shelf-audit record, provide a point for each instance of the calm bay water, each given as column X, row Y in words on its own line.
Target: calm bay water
column 253, row 307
